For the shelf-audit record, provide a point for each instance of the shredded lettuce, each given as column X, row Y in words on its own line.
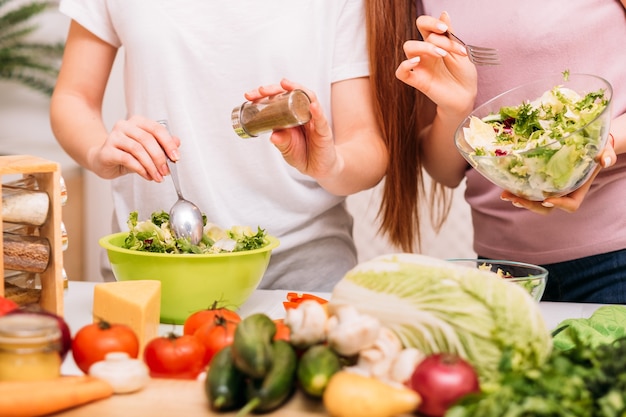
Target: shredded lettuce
column 437, row 306
column 546, row 145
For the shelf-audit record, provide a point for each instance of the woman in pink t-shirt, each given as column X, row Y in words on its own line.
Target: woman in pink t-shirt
column 579, row 238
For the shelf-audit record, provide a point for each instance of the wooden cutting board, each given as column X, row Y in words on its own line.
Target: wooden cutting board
column 173, row 398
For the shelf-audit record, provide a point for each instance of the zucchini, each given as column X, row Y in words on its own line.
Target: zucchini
column 224, row 384
column 317, row 364
column 271, row 392
column 252, row 345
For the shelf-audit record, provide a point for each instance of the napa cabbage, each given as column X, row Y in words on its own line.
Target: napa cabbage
column 437, row 306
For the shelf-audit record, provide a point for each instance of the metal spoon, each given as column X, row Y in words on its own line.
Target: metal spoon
column 185, row 217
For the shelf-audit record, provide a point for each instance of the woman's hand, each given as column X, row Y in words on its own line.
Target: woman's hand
column 439, row 67
column 309, row 148
column 570, row 202
column 136, row 146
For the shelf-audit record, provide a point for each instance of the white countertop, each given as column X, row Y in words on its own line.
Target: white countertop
column 78, row 301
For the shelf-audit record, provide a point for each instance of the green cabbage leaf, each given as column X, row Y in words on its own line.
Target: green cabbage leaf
column 437, row 306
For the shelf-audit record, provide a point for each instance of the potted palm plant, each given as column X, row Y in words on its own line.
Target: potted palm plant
column 23, row 60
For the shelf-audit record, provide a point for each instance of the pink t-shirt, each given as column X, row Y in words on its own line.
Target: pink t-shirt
column 537, row 38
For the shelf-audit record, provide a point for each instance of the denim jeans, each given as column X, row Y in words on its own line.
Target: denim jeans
column 594, row 279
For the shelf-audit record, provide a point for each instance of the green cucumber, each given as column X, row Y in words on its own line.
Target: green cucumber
column 252, row 345
column 224, row 384
column 317, row 364
column 269, row 393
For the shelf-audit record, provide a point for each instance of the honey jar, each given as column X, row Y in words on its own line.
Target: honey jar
column 30, row 346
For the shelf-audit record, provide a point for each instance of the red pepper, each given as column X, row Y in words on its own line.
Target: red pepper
column 298, row 297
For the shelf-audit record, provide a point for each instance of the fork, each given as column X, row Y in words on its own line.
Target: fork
column 479, row 55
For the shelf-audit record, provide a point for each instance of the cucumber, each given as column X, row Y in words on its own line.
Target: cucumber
column 224, row 384
column 317, row 364
column 269, row 393
column 252, row 345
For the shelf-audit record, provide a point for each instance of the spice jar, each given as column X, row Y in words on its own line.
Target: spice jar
column 24, row 206
column 30, row 346
column 25, row 253
column 281, row 111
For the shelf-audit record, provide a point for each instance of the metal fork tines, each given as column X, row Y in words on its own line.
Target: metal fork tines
column 479, row 55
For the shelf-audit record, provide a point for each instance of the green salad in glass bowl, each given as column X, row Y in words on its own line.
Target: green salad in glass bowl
column 540, row 139
column 533, row 278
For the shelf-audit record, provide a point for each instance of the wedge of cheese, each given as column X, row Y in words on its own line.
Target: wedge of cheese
column 136, row 304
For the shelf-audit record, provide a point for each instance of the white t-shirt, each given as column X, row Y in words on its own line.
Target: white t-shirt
column 190, row 62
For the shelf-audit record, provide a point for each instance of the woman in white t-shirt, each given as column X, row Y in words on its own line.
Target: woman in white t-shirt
column 190, row 63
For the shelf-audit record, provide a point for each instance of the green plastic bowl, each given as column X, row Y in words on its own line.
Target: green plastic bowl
column 191, row 282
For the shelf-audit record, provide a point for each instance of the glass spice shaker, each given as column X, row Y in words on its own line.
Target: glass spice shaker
column 289, row 109
column 30, row 346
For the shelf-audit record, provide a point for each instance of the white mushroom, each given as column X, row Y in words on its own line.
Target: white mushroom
column 377, row 360
column 307, row 323
column 123, row 373
column 406, row 361
column 349, row 332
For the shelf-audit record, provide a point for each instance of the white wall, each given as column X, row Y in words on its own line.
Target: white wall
column 24, row 118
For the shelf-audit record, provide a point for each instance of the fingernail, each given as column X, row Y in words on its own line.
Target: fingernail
column 442, row 27
column 504, row 198
column 461, row 48
column 415, row 60
column 606, row 161
column 164, row 170
column 175, row 155
column 441, row 51
column 547, row 204
column 518, row 205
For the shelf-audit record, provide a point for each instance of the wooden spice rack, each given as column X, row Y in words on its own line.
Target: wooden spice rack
column 48, row 176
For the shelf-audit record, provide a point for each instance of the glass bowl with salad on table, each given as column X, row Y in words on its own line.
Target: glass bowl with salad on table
column 532, row 278
column 226, row 266
column 540, row 139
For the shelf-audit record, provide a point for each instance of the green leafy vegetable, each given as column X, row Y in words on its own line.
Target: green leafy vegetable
column 155, row 235
column 605, row 325
column 583, row 381
column 437, row 306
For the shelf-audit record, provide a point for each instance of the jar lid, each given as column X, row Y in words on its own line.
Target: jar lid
column 28, row 328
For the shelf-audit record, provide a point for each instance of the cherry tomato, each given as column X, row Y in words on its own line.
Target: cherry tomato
column 197, row 319
column 173, row 356
column 7, row 305
column 93, row 341
column 216, row 335
column 441, row 379
column 283, row 332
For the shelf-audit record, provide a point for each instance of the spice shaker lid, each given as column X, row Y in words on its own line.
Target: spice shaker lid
column 235, row 118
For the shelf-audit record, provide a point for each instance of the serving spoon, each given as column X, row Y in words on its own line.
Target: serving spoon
column 185, row 217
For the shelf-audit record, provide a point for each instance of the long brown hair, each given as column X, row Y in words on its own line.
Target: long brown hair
column 402, row 112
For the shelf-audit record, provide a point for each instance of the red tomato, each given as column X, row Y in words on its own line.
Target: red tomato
column 173, row 356
column 283, row 332
column 441, row 379
column 215, row 335
column 201, row 317
column 7, row 305
column 94, row 341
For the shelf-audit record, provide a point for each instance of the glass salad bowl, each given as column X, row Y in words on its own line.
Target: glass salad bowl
column 532, row 278
column 540, row 139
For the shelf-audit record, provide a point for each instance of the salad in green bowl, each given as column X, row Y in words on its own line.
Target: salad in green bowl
column 544, row 146
column 156, row 235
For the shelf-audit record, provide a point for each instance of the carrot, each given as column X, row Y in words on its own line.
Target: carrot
column 38, row 398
